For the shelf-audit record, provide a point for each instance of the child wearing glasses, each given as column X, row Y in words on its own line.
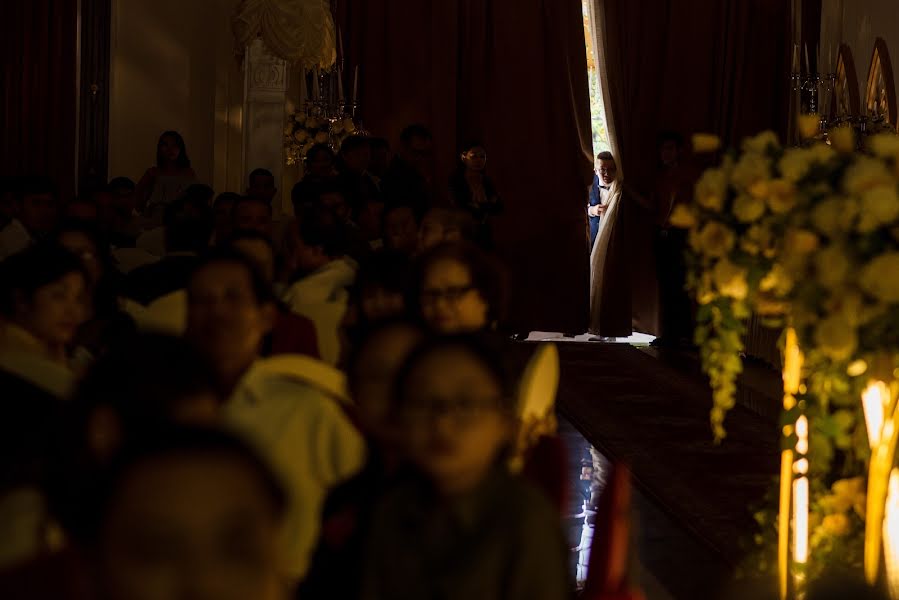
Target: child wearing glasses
column 462, row 527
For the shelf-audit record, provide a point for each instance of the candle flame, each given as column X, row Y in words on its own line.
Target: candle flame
column 874, row 400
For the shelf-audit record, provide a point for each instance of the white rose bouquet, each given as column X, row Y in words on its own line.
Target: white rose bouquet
column 304, row 131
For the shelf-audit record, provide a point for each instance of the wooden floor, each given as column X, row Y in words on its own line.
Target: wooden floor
column 694, row 498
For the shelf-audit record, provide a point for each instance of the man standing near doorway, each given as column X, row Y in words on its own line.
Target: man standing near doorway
column 604, row 175
column 610, row 288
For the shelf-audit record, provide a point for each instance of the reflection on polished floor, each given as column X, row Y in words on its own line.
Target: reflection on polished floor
column 579, row 456
column 692, row 500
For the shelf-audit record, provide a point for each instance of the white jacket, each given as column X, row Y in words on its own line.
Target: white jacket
column 322, row 297
column 300, row 426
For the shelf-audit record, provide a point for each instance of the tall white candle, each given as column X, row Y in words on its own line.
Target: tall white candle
column 356, row 84
column 805, row 48
column 340, row 84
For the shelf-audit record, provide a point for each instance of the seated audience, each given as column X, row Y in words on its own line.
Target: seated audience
column 252, row 214
column 188, row 225
column 462, row 526
column 320, row 291
column 34, row 216
column 291, row 333
column 400, row 229
column 458, row 289
column 45, row 298
column 261, row 186
column 221, row 209
column 473, row 191
column 332, row 197
column 161, row 526
column 164, row 183
column 153, row 240
column 409, row 180
column 379, row 292
column 346, row 518
column 82, row 208
column 301, row 429
column 106, row 323
column 352, row 166
column 144, row 381
column 43, row 302
column 380, row 159
column 117, row 213
column 320, row 163
column 370, row 219
column 319, row 167
column 441, row 225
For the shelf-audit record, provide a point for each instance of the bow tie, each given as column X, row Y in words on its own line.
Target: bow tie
column 603, row 187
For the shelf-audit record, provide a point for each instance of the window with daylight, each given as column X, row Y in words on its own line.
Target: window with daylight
column 601, row 140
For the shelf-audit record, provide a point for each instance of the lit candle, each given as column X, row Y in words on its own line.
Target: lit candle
column 891, row 535
column 355, row 84
column 874, row 402
column 783, row 522
column 800, row 506
column 800, row 520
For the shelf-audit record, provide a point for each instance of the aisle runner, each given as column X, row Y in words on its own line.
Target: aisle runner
column 633, row 407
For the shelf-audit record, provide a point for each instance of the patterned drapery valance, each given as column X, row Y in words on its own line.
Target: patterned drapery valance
column 299, row 31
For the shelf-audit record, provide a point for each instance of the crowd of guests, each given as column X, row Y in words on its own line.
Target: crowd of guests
column 207, row 402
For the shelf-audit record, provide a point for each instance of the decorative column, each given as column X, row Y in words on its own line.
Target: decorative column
column 265, row 93
column 273, row 36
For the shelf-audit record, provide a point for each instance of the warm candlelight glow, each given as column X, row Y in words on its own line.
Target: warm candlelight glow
column 879, row 477
column 874, row 401
column 783, row 522
column 891, row 535
column 802, row 435
column 792, row 371
column 800, row 520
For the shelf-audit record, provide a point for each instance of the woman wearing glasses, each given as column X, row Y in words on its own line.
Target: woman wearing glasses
column 458, row 289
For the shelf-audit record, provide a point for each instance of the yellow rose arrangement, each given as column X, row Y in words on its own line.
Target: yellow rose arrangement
column 734, row 225
column 304, row 130
column 806, row 237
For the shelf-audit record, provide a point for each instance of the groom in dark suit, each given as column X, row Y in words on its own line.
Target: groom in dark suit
column 604, row 175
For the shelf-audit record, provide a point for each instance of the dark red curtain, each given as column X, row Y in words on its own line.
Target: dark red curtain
column 511, row 73
column 38, row 49
column 688, row 66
